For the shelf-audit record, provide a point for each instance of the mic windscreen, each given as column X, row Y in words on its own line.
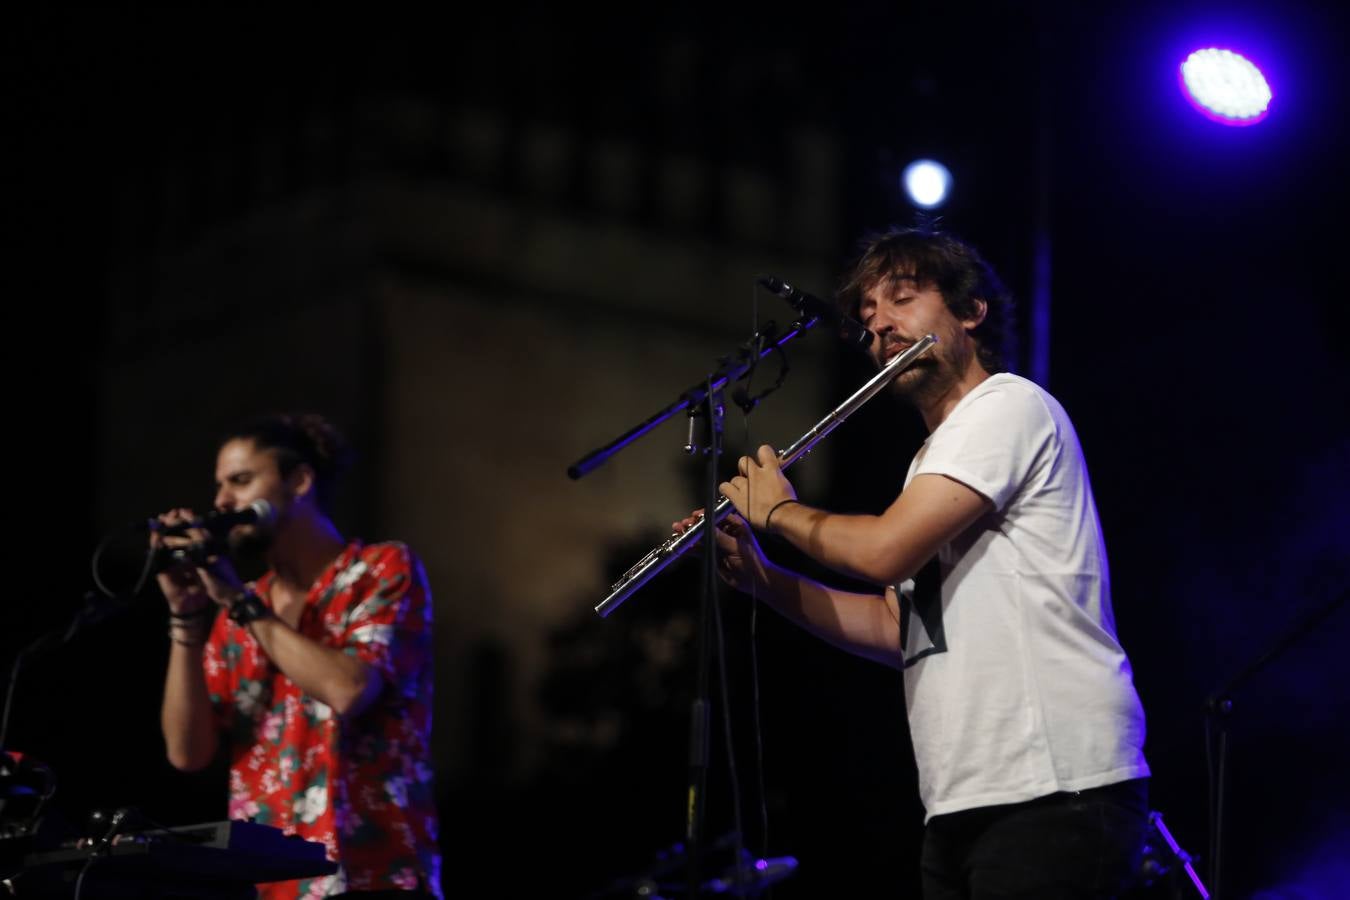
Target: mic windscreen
column 265, row 513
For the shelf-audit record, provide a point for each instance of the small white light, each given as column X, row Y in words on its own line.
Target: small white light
column 927, row 182
column 1225, row 86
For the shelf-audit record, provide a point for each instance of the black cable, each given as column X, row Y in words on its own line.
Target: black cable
column 94, row 564
column 105, row 843
column 1210, row 798
column 756, row 711
column 146, row 567
column 89, row 863
column 1216, row 880
column 715, row 442
column 9, row 695
column 739, row 841
column 145, row 572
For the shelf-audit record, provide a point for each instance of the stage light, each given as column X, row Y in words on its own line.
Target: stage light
column 1225, row 86
column 927, row 183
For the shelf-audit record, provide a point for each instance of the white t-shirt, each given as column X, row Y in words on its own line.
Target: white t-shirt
column 1015, row 683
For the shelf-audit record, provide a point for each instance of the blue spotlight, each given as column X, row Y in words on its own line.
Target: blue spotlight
column 1225, row 86
column 927, row 183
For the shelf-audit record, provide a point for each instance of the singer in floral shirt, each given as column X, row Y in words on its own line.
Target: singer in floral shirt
column 362, row 787
column 317, row 678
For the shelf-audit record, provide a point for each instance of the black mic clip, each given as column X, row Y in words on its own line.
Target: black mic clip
column 753, row 350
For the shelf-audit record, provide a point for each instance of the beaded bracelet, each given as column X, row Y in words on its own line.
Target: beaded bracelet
column 173, row 636
column 187, row 622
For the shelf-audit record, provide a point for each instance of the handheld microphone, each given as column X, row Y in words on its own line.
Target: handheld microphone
column 259, row 512
column 851, row 331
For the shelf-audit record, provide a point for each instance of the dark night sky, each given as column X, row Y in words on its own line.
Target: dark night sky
column 1199, row 296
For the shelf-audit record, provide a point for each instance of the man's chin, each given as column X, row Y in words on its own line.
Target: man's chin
column 250, row 542
column 914, row 378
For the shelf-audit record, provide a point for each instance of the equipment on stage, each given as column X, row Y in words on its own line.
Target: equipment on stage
column 123, row 854
column 1164, row 858
column 664, row 878
column 215, row 859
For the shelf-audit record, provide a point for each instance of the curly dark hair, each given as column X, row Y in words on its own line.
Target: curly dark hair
column 932, row 257
column 306, row 438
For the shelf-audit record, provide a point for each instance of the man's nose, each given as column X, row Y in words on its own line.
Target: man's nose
column 225, row 500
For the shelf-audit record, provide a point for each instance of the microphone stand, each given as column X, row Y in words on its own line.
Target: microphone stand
column 732, row 368
column 90, row 613
column 704, row 399
column 18, row 831
column 1156, row 820
column 699, row 709
column 1219, row 708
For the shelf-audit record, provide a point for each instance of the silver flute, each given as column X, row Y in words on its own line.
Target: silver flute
column 676, row 545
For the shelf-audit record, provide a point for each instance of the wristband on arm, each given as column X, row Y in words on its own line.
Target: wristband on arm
column 248, row 607
column 773, row 509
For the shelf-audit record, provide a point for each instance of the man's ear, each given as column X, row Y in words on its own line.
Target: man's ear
column 973, row 321
column 301, row 480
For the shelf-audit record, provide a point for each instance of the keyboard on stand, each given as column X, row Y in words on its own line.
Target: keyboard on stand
column 214, row 859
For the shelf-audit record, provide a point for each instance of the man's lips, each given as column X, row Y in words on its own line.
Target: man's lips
column 894, row 349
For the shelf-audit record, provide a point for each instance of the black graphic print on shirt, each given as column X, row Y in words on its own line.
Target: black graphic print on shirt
column 921, row 631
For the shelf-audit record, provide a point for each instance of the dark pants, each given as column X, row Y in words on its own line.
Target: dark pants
column 1080, row 844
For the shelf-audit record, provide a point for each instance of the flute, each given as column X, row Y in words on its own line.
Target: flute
column 676, row 545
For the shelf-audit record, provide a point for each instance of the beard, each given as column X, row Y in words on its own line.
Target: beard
column 925, row 378
column 249, row 548
column 933, row 374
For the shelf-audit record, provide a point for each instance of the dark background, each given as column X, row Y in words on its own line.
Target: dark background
column 1197, row 339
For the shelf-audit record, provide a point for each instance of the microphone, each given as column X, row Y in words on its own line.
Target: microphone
column 851, row 331
column 259, row 512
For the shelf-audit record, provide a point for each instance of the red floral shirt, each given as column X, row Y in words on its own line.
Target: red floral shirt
column 362, row 785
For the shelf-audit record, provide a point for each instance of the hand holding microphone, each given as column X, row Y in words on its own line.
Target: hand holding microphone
column 194, row 573
column 172, row 542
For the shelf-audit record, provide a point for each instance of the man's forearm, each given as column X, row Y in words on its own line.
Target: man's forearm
column 849, row 544
column 186, row 717
column 330, row 676
column 891, row 547
column 865, row 625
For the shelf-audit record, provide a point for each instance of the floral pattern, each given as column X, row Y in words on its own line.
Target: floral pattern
column 362, row 785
